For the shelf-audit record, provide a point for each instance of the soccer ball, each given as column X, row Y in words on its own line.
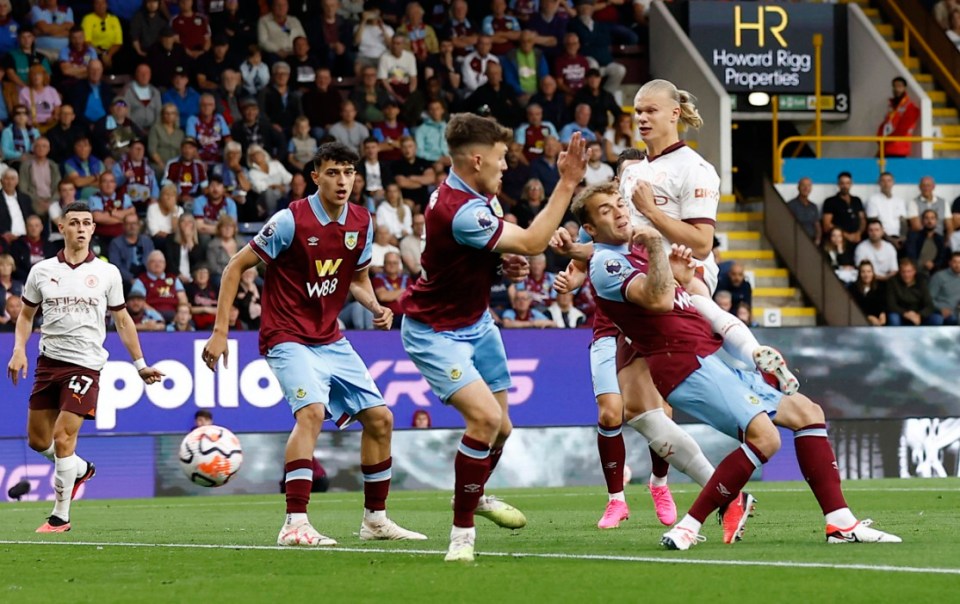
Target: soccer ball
column 210, row 456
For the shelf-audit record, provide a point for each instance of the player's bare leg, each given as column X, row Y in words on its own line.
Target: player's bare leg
column 65, row 431
column 298, row 469
column 40, row 425
column 376, row 466
column 612, row 458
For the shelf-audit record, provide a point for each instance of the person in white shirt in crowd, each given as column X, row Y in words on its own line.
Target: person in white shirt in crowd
column 268, row 178
column 474, row 66
column 598, row 171
column 371, row 38
column 277, row 30
column 381, row 245
column 162, row 216
column 890, row 209
column 397, row 70
column 926, row 200
column 394, row 214
column 880, row 252
column 564, row 314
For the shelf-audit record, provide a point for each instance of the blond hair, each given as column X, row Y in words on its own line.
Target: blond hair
column 689, row 116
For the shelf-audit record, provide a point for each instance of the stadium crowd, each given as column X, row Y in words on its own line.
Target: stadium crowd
column 185, row 124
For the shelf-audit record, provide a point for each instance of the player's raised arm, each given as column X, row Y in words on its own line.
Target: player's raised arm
column 534, row 239
column 17, row 367
column 656, row 291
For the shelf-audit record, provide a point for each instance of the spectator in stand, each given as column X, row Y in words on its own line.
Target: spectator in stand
column 580, row 123
column 414, row 175
column 397, row 70
column 901, row 120
column 236, row 181
column 550, row 23
column 524, row 67
column 303, row 66
column 522, row 316
column 538, row 284
column 390, row 131
column 143, row 98
column 390, row 285
column 348, row 131
column 239, row 22
column 104, row 33
column 496, row 98
column 944, row 289
column 183, row 251
column 724, row 300
column 474, row 66
column 368, row 97
column 114, row 132
column 298, row 190
column 182, row 320
column 845, row 211
column 9, row 27
column 421, row 419
column 167, row 56
column 192, row 29
column 597, row 40
column 40, row 177
column 358, row 196
column 381, row 246
column 421, row 38
column 66, row 194
column 248, row 297
column 75, row 58
column 145, row 27
column 926, row 200
column 202, row 297
column 735, row 282
column 431, row 137
column 374, row 170
column 229, row 96
column 515, row 177
column 503, row 29
column 371, row 37
column 942, row 10
column 533, row 134
column 880, row 252
column 41, row 100
column 551, row 101
column 411, row 246
column 394, row 214
column 334, row 39
column 128, row 252
column 82, row 169
column 18, row 138
column 564, row 314
column 165, row 138
column 604, row 109
column 840, row 254
column 597, row 170
column 223, row 246
column 210, row 208
column 302, row 146
column 908, row 298
column 278, row 101
column 321, row 105
column 213, row 64
column 544, row 168
column 277, row 30
column 144, row 317
column 890, row 209
column 254, row 72
column 162, row 290
column 9, row 287
column 182, row 95
column 620, row 137
column 135, row 176
column 870, row 294
column 52, row 24
column 17, row 64
column 110, row 208
column 210, row 130
column 255, row 129
column 953, row 31
column 570, row 68
column 268, row 179
column 458, row 28
column 163, row 215
column 926, row 247
column 187, row 172
column 63, row 134
column 32, row 247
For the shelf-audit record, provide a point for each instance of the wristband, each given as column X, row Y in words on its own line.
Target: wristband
column 140, row 364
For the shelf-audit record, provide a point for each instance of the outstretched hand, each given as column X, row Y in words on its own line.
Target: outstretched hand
column 682, row 263
column 150, row 375
column 572, row 163
column 17, row 368
column 216, row 347
column 568, row 281
column 515, row 267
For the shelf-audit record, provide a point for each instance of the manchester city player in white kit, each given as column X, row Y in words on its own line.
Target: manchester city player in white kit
column 74, row 290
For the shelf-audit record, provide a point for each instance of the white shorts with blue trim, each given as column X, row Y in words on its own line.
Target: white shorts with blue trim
column 450, row 360
column 603, row 366
column 333, row 375
column 723, row 397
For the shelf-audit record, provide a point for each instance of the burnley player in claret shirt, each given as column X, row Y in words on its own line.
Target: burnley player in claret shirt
column 447, row 328
column 316, row 251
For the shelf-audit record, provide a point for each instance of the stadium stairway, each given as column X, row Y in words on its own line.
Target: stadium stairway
column 945, row 118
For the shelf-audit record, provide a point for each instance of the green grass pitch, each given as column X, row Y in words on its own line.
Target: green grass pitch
column 222, row 549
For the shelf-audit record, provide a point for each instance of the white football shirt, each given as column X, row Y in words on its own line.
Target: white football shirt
column 74, row 301
column 685, row 187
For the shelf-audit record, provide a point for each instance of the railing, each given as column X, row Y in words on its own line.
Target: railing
column 778, row 153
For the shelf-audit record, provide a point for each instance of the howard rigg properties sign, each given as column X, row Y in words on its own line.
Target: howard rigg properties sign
column 759, row 47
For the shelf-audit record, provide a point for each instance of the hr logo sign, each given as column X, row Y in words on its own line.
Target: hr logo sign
column 761, row 25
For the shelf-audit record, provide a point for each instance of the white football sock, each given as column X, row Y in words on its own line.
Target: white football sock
column 616, row 496
column 673, row 444
column 49, row 453
column 738, row 341
column 296, row 518
column 689, row 522
column 374, row 516
column 456, row 531
column 842, row 518
column 63, row 485
column 658, row 481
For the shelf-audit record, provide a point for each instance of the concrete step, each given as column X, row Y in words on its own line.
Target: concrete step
column 938, row 98
column 803, row 316
column 885, row 30
column 742, row 240
column 768, row 277
column 748, row 255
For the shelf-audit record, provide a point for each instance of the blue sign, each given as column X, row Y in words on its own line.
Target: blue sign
column 550, row 369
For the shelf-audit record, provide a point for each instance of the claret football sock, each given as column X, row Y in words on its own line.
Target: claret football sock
column 299, row 481
column 819, row 467
column 613, row 456
column 659, row 468
column 725, row 484
column 376, row 484
column 495, row 454
column 471, row 469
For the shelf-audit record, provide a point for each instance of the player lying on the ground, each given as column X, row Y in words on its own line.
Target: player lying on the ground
column 73, row 290
column 639, row 291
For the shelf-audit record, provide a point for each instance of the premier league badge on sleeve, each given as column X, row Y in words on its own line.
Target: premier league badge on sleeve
column 350, row 239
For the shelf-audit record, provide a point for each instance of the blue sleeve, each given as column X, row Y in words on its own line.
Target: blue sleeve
column 232, row 209
column 537, row 315
column 153, row 315
column 137, row 288
column 198, row 205
column 487, row 26
column 275, row 236
column 95, row 203
column 553, row 130
column 475, row 225
column 367, row 252
column 64, row 55
column 509, row 314
column 584, row 237
column 542, row 68
column 609, row 271
column 192, row 122
column 519, row 135
column 377, row 134
column 127, row 203
column 154, row 189
column 177, row 285
column 290, row 146
column 6, row 143
column 565, row 133
column 119, row 175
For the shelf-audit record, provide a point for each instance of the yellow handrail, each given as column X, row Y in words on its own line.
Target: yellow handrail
column 908, row 31
column 778, row 155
